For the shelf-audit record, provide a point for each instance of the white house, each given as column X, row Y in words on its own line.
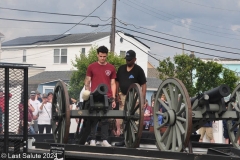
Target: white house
column 56, row 52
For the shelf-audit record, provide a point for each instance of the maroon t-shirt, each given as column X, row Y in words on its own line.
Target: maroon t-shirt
column 148, row 109
column 101, row 74
column 21, row 109
column 2, row 102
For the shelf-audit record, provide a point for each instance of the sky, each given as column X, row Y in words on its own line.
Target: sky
column 210, row 28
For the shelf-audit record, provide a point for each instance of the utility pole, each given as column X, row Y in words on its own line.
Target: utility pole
column 113, row 30
column 182, row 48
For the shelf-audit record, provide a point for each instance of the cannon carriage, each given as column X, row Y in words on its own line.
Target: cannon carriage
column 97, row 107
column 182, row 117
column 185, row 115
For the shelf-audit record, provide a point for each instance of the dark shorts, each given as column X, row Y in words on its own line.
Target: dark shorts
column 225, row 133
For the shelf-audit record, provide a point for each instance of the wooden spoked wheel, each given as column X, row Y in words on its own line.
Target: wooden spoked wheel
column 60, row 113
column 233, row 126
column 175, row 131
column 133, row 122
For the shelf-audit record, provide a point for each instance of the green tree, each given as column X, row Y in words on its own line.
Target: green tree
column 185, row 65
column 166, row 69
column 81, row 63
column 229, row 78
column 197, row 76
column 208, row 76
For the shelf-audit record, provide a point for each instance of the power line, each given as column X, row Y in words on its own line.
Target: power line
column 138, row 47
column 26, row 27
column 186, row 26
column 179, row 42
column 85, row 17
column 24, row 20
column 75, row 24
column 139, row 27
column 179, row 47
column 176, row 16
column 87, row 35
column 54, row 13
column 210, row 6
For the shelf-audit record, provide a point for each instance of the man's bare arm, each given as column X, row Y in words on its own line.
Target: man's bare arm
column 87, row 83
column 113, row 88
column 144, row 88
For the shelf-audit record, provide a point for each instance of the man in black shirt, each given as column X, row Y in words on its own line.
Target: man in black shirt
column 126, row 75
column 130, row 73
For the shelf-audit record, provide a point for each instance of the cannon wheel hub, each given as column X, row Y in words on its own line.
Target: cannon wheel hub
column 170, row 117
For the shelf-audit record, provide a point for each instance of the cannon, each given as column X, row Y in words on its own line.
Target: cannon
column 98, row 99
column 184, row 116
column 97, row 107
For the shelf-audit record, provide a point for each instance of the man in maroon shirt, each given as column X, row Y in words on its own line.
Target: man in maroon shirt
column 97, row 73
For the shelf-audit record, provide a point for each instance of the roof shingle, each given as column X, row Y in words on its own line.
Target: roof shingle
column 57, row 39
column 153, row 82
column 49, row 76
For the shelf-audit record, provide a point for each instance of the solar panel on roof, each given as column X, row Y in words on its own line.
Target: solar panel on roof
column 56, row 39
column 32, row 40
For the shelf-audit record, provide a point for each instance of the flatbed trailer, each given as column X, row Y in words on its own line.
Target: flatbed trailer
column 147, row 150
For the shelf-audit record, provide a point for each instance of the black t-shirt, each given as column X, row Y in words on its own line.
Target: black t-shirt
column 125, row 78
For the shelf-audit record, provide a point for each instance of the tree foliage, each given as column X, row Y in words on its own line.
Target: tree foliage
column 197, row 75
column 166, row 69
column 209, row 75
column 81, row 63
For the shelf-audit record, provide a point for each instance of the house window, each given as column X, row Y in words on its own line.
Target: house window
column 60, row 55
column 83, row 51
column 122, row 53
column 47, row 89
column 24, row 56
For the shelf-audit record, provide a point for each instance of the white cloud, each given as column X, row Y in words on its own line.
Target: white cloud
column 186, row 22
column 152, row 27
column 235, row 27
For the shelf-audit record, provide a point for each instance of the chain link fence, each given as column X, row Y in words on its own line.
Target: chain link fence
column 13, row 109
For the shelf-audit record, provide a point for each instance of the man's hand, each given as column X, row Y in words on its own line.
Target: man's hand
column 45, row 100
column 113, row 104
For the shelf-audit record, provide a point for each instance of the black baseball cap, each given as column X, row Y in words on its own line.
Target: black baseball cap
column 130, row 55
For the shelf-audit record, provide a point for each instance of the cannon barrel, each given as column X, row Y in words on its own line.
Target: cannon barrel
column 214, row 94
column 217, row 93
column 99, row 92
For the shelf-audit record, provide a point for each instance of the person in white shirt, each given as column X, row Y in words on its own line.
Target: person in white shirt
column 45, row 113
column 34, row 103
